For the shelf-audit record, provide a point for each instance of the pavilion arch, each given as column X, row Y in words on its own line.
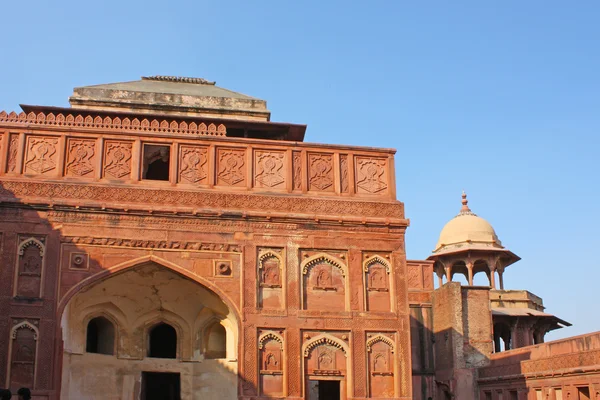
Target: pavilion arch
column 327, row 339
column 459, row 267
column 140, row 261
column 482, row 265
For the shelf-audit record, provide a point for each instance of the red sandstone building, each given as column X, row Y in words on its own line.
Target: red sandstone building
column 163, row 239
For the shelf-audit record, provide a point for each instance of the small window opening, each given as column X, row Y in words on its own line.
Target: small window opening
column 100, row 338
column 162, row 341
column 584, row 393
column 216, row 342
column 156, row 162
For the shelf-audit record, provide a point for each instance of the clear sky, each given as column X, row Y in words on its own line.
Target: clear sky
column 500, row 99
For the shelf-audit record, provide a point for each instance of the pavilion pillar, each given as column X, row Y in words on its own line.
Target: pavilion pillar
column 470, row 271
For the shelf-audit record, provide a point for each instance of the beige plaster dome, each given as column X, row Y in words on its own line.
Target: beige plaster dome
column 467, row 230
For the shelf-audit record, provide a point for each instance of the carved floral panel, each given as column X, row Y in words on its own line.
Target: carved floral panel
column 23, row 355
column 297, row 167
column 344, row 184
column 117, row 159
column 380, row 350
column 269, row 169
column 271, row 362
column 231, row 167
column 13, row 150
column 193, row 164
column 371, row 175
column 30, row 254
column 81, row 157
column 41, row 155
column 270, row 273
column 320, row 171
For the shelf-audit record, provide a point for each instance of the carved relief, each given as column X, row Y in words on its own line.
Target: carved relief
column 117, row 159
column 380, row 349
column 80, row 157
column 324, row 284
column 23, row 350
column 223, row 268
column 371, row 175
column 79, row 261
column 271, row 361
column 270, row 272
column 325, row 354
column 13, row 150
column 193, row 164
column 30, row 264
column 269, row 169
column 344, row 173
column 297, row 167
column 377, row 280
column 41, row 155
column 320, row 167
column 152, row 244
column 230, row 167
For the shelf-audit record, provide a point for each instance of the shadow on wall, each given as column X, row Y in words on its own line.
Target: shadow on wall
column 42, row 264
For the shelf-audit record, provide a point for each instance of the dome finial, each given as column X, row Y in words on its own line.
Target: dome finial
column 465, row 207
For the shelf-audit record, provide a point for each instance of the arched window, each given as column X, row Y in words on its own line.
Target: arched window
column 162, row 341
column 216, row 341
column 100, row 336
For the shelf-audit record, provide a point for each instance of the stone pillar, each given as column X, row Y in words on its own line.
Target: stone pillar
column 448, row 273
column 501, row 278
column 470, row 270
column 493, row 278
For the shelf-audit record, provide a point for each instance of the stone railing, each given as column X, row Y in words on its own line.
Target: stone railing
column 546, row 358
column 111, row 150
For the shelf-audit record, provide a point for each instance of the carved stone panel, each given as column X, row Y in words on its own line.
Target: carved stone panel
column 324, row 284
column 380, row 350
column 377, row 281
column 344, row 184
column 13, row 150
column 41, row 155
column 371, row 175
column 271, row 362
column 270, row 276
column 269, row 169
column 81, row 157
column 320, row 170
column 297, row 173
column 325, row 355
column 231, row 167
column 193, row 164
column 23, row 355
column 30, row 254
column 117, row 159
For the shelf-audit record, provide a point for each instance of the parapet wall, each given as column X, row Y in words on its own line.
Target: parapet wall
column 566, row 365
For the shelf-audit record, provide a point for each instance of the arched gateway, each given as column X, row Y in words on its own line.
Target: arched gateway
column 142, row 330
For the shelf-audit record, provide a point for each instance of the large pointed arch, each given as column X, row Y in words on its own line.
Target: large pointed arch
column 122, row 267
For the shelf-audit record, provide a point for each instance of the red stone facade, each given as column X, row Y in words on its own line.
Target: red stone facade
column 286, row 258
column 303, row 243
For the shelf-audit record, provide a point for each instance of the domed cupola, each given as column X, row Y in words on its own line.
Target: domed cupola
column 467, row 230
column 467, row 245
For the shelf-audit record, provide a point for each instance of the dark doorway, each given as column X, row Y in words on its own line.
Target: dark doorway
column 329, row 390
column 160, row 386
column 163, row 341
column 100, row 336
column 156, row 162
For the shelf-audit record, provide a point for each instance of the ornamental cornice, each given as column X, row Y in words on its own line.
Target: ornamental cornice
column 152, row 244
column 116, row 123
column 292, row 207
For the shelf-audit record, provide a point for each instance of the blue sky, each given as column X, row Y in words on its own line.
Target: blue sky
column 501, row 99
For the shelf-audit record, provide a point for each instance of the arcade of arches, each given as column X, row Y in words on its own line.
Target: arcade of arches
column 147, row 319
